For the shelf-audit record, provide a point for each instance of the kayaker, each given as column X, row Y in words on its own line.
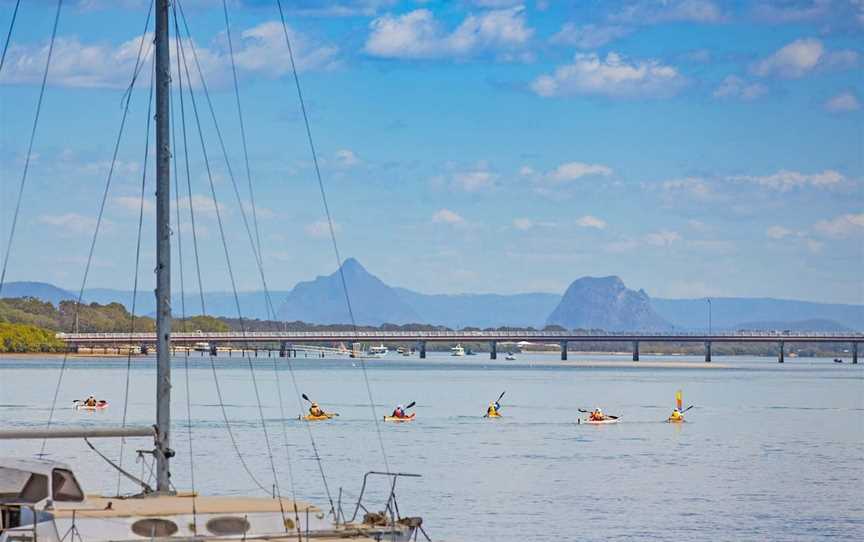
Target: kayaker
column 315, row 410
column 399, row 412
column 493, row 408
column 676, row 416
column 597, row 415
column 90, row 401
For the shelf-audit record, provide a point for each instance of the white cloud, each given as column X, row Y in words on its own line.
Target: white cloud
column 260, row 50
column 693, row 187
column 523, row 224
column 735, row 87
column 446, row 216
column 347, row 158
column 613, row 76
column 321, row 228
column 473, row 181
column 842, row 103
column 802, row 57
column 667, row 11
column 589, row 221
column 418, row 34
column 842, row 226
column 133, row 204
column 571, row 171
column 778, row 232
column 785, row 180
column 791, row 12
column 73, row 224
column 201, row 204
column 589, row 36
column 662, row 238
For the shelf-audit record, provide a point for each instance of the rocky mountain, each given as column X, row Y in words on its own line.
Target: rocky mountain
column 322, row 300
column 606, row 303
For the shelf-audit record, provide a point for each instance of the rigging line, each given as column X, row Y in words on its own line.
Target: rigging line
column 117, row 141
column 331, row 228
column 9, row 34
column 258, row 259
column 242, row 127
column 231, row 277
column 137, row 266
column 138, row 63
column 23, row 182
column 183, row 299
column 200, row 287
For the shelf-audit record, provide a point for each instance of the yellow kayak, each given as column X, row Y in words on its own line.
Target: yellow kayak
column 679, row 420
column 493, row 415
column 410, row 418
column 326, row 416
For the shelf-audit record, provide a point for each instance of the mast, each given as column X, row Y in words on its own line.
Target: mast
column 163, row 452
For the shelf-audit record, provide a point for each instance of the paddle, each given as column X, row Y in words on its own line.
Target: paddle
column 686, row 409
column 410, row 405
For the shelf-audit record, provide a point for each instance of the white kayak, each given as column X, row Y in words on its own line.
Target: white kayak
column 607, row 421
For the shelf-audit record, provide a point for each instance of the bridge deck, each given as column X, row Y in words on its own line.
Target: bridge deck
column 455, row 336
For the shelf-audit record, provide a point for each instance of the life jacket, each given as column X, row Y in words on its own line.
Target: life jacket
column 597, row 417
column 491, row 411
column 399, row 413
column 316, row 411
column 90, row 402
column 676, row 416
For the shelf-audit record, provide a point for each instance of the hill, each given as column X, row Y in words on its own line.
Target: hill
column 606, row 303
column 323, row 300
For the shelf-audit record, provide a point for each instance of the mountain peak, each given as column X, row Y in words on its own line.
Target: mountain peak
column 605, row 303
column 351, row 265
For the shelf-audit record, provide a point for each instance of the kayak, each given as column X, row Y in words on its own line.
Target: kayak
column 410, row 418
column 496, row 415
column 311, row 418
column 670, row 420
column 79, row 405
column 607, row 421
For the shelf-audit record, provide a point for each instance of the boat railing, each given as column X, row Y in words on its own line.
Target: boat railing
column 391, row 507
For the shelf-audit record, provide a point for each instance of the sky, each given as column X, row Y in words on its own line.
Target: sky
column 691, row 147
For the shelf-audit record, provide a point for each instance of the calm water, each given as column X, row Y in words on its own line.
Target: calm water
column 771, row 452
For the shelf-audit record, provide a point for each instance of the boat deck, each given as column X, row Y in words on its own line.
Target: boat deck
column 97, row 506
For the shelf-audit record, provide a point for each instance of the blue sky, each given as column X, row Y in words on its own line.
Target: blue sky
column 691, row 147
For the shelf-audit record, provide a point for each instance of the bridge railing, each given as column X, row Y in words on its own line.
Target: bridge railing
column 460, row 335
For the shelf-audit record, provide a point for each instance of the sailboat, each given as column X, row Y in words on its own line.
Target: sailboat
column 42, row 500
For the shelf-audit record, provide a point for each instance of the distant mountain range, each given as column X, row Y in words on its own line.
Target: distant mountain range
column 588, row 303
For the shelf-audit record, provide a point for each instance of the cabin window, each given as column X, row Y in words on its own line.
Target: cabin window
column 225, row 525
column 153, row 527
column 66, row 488
column 35, row 489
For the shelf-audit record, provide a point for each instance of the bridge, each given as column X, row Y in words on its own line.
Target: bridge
column 285, row 339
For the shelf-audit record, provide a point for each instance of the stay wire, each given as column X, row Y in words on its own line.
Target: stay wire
column 137, row 264
column 234, row 286
column 200, row 286
column 331, row 228
column 242, row 128
column 256, row 253
column 183, row 296
column 29, row 154
column 260, row 259
column 9, row 34
column 110, row 176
